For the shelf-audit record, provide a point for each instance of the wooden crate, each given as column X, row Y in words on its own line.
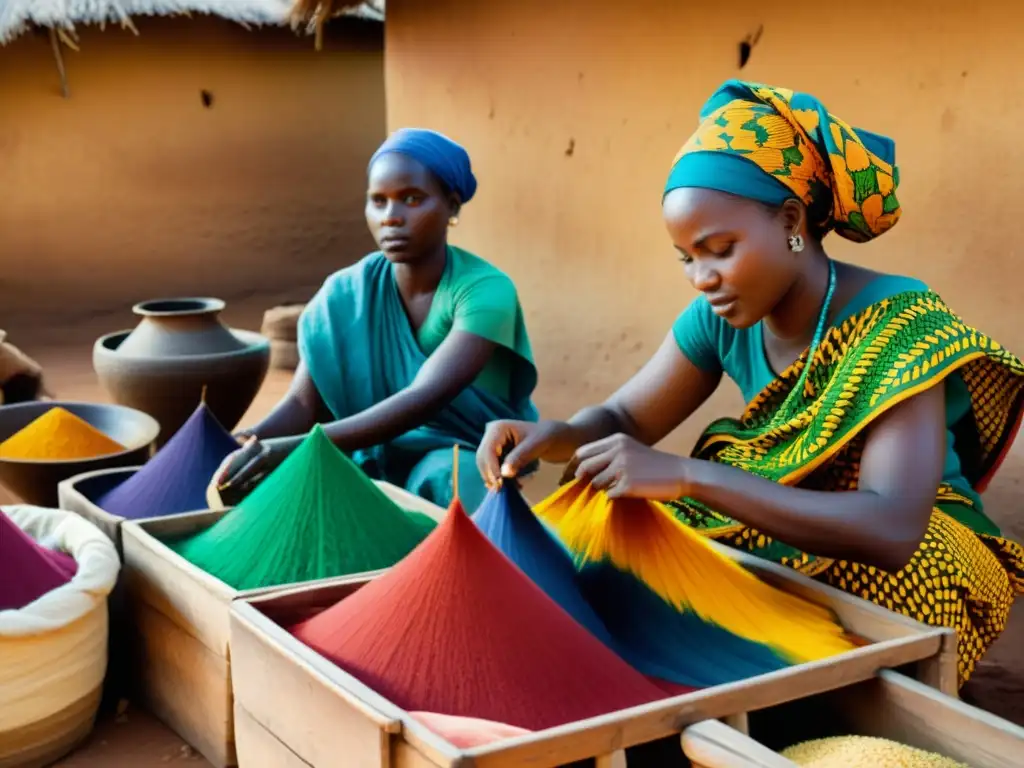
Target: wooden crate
column 179, row 617
column 318, row 711
column 890, row 706
column 76, row 495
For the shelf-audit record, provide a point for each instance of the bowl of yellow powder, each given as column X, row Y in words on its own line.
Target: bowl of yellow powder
column 43, row 443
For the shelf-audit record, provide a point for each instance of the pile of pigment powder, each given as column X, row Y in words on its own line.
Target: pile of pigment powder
column 59, row 435
column 457, row 628
column 316, row 516
column 27, row 569
column 176, row 478
column 864, row 752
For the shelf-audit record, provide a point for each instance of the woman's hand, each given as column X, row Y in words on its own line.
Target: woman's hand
column 509, row 447
column 624, row 467
column 244, row 469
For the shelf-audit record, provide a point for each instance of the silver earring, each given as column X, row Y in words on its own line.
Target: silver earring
column 796, row 243
column 453, row 221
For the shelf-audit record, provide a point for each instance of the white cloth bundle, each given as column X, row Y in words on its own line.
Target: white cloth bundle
column 53, row 652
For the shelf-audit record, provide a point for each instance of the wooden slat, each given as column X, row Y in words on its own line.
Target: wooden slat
column 304, row 700
column 259, row 748
column 659, row 719
column 910, row 712
column 713, row 744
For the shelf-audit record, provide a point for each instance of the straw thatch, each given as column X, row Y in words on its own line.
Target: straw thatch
column 313, row 14
column 17, row 16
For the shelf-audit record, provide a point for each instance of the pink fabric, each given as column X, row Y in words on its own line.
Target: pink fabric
column 466, row 732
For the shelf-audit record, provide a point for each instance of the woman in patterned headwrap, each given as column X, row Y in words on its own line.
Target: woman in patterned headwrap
column 409, row 351
column 863, row 467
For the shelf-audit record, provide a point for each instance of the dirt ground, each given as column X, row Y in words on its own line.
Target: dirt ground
column 137, row 740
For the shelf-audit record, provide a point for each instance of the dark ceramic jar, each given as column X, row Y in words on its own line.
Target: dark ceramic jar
column 178, row 349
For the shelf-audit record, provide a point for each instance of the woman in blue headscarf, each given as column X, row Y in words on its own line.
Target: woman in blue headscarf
column 411, row 350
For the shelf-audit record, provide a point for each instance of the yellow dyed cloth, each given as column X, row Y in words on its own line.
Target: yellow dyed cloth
column 960, row 577
column 645, row 539
column 864, row 752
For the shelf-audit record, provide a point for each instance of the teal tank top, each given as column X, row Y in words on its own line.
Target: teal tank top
column 710, row 343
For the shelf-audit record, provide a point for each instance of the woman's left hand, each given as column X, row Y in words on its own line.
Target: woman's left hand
column 624, row 467
column 244, row 469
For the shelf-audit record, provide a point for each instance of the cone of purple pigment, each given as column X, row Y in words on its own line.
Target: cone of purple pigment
column 28, row 570
column 176, row 478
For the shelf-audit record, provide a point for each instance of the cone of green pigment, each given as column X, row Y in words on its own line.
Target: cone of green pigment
column 316, row 516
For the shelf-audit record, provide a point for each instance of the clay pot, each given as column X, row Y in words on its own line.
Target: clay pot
column 179, row 348
column 36, row 481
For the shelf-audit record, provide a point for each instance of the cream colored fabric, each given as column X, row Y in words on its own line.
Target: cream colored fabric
column 53, row 652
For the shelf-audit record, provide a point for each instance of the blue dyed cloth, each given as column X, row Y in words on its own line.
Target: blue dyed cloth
column 508, row 522
column 448, row 160
column 355, row 338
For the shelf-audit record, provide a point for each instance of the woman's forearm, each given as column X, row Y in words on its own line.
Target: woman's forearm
column 289, row 417
column 591, row 424
column 861, row 526
column 388, row 419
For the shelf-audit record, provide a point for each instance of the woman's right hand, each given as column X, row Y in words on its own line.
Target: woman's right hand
column 508, row 447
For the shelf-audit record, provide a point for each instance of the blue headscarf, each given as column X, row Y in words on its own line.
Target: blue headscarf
column 446, row 159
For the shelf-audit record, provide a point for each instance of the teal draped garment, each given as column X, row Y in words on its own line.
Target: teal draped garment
column 359, row 347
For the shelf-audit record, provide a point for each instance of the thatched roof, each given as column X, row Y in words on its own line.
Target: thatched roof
column 17, row 16
column 313, row 14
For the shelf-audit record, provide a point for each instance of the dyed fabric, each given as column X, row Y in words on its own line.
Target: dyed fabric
column 445, row 159
column 355, row 338
column 60, row 435
column 962, row 576
column 676, row 608
column 865, row 752
column 771, row 144
column 457, row 629
column 508, row 522
column 316, row 516
column 713, row 345
column 28, row 570
column 467, row 732
column 176, row 478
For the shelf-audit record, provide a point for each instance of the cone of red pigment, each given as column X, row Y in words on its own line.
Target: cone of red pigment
column 176, row 478
column 456, row 628
column 28, row 570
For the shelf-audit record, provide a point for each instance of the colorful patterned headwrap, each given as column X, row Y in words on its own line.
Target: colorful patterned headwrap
column 770, row 144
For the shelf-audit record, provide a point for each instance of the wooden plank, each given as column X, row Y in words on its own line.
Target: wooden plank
column 307, row 712
column 70, row 497
column 185, row 684
column 738, row 722
column 411, row 501
column 259, row 748
column 159, row 577
column 940, row 671
column 659, row 719
column 910, row 712
column 713, row 744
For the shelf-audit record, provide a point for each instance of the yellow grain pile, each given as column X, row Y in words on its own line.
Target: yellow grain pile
column 864, row 752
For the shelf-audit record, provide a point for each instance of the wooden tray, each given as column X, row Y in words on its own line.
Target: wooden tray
column 76, row 495
column 318, row 711
column 890, row 706
column 179, row 624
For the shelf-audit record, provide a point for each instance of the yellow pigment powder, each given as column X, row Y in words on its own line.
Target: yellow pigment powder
column 58, row 434
column 864, row 752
